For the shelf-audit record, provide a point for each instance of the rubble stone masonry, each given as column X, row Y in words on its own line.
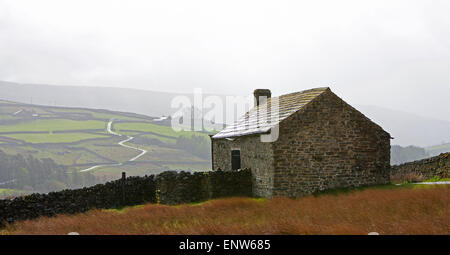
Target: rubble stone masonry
column 428, row 168
column 328, row 144
column 255, row 155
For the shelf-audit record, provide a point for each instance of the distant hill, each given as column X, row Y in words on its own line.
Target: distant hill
column 400, row 155
column 151, row 103
column 437, row 149
column 407, row 128
column 83, row 140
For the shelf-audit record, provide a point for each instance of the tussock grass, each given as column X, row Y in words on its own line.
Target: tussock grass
column 387, row 211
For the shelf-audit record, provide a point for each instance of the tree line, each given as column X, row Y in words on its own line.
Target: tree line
column 197, row 145
column 39, row 175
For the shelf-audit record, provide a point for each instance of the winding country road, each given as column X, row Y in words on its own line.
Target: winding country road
column 121, row 143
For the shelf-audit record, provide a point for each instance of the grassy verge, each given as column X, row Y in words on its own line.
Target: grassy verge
column 437, row 179
column 387, row 210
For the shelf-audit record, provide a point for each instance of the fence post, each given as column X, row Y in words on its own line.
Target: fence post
column 123, row 187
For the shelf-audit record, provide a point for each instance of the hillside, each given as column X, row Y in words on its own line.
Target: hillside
column 385, row 209
column 406, row 128
column 400, row 155
column 437, row 149
column 149, row 103
column 78, row 139
column 26, row 174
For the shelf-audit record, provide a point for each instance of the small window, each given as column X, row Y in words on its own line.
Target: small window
column 235, row 159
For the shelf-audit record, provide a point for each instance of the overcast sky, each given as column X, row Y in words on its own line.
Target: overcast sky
column 394, row 54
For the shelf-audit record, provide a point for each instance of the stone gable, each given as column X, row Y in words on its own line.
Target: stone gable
column 329, row 144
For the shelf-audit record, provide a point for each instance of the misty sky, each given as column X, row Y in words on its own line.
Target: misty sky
column 394, row 54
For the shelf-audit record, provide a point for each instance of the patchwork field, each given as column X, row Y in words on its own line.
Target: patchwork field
column 79, row 139
column 51, row 125
column 161, row 131
column 53, row 137
column 388, row 209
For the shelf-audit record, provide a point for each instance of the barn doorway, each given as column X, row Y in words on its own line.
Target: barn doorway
column 235, row 159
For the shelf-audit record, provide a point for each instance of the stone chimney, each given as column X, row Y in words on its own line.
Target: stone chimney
column 261, row 96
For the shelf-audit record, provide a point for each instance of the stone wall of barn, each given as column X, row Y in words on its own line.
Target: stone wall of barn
column 255, row 155
column 328, row 144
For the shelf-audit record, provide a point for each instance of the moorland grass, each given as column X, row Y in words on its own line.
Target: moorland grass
column 387, row 210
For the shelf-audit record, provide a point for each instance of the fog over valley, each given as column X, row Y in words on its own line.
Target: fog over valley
column 365, row 51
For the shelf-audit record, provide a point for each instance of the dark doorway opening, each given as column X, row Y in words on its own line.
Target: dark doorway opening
column 235, row 159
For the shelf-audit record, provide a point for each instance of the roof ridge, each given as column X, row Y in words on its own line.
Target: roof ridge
column 251, row 123
column 305, row 91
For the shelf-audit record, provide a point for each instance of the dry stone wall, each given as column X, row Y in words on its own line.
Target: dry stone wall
column 186, row 187
column 165, row 188
column 428, row 168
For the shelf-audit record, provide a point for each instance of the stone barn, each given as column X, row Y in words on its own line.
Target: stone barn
column 304, row 142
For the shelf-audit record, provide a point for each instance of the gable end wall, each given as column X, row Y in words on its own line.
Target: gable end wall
column 329, row 144
column 255, row 155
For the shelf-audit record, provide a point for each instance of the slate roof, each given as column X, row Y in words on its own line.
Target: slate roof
column 260, row 119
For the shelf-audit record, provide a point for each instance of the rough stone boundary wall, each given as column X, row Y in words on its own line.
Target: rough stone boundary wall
column 166, row 188
column 428, row 168
column 184, row 187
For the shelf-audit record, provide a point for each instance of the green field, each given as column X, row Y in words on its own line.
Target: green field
column 172, row 155
column 63, row 155
column 438, row 149
column 108, row 148
column 4, row 193
column 95, row 114
column 8, row 117
column 78, row 138
column 150, row 127
column 131, row 133
column 54, row 125
column 166, row 140
column 54, row 137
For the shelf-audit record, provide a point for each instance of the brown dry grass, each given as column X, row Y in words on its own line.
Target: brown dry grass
column 387, row 211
